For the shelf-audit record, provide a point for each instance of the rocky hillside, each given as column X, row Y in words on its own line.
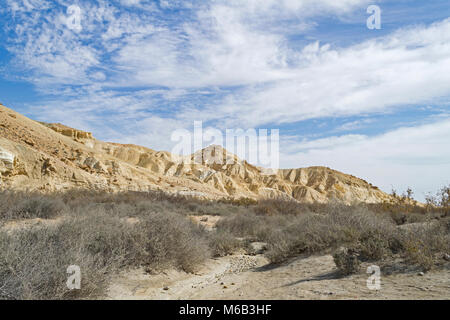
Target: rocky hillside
column 50, row 157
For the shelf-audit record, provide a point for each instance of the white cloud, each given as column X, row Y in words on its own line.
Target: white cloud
column 130, row 2
column 222, row 44
column 411, row 66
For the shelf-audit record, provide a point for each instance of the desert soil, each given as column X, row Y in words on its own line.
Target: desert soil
column 250, row 277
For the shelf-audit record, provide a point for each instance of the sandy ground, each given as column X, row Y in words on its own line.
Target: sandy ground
column 250, row 277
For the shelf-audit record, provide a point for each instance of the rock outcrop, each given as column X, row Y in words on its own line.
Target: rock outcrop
column 68, row 132
column 49, row 157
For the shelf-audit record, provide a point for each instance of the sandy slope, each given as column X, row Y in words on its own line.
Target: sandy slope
column 249, row 277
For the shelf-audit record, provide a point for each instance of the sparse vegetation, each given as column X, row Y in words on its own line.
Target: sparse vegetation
column 95, row 235
column 347, row 261
column 223, row 243
column 108, row 233
column 19, row 206
column 367, row 230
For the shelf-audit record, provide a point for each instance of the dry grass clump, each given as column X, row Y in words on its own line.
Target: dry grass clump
column 34, row 260
column 24, row 205
column 287, row 207
column 33, row 265
column 278, row 207
column 347, row 261
column 223, row 243
column 426, row 243
column 15, row 205
column 169, row 240
column 153, row 201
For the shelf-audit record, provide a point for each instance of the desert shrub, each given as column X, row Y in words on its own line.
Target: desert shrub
column 281, row 248
column 347, row 261
column 440, row 202
column 170, row 240
column 21, row 206
column 399, row 218
column 252, row 226
column 425, row 243
column 242, row 225
column 288, row 207
column 136, row 203
column 277, row 206
column 373, row 246
column 307, row 234
column 33, row 265
column 340, row 226
column 418, row 254
column 33, row 261
column 418, row 217
column 243, row 201
column 336, row 225
column 223, row 243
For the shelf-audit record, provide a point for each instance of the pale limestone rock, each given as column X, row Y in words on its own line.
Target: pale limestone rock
column 6, row 160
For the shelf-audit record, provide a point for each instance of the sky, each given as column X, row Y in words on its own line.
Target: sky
column 373, row 103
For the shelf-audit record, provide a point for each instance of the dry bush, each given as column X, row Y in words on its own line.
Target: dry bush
column 151, row 201
column 347, row 261
column 287, row 207
column 374, row 246
column 170, row 240
column 337, row 225
column 33, row 265
column 223, row 243
column 245, row 202
column 15, row 205
column 373, row 235
column 277, row 206
column 251, row 226
column 33, row 262
column 424, row 245
column 401, row 218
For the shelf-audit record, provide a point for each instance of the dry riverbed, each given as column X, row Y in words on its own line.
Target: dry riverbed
column 250, row 277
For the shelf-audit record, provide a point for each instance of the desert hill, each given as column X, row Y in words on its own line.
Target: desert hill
column 50, row 157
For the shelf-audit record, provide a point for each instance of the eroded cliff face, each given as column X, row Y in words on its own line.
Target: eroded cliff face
column 49, row 157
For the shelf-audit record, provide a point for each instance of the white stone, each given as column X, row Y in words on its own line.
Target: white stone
column 7, row 158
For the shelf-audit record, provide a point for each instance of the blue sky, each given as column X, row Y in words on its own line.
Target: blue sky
column 373, row 103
